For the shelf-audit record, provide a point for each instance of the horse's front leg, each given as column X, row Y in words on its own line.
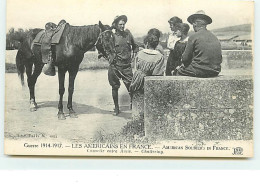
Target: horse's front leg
column 61, row 76
column 72, row 75
column 31, row 80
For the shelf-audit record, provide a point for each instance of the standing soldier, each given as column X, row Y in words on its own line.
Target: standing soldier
column 121, row 68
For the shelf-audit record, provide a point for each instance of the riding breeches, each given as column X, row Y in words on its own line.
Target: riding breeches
column 115, row 73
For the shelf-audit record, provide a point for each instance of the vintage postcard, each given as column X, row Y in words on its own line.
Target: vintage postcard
column 160, row 78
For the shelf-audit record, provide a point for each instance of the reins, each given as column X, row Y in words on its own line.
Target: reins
column 105, row 49
column 100, row 34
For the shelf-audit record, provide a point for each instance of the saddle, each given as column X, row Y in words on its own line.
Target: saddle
column 48, row 37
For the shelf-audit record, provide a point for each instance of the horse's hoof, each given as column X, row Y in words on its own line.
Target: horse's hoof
column 73, row 115
column 33, row 106
column 116, row 112
column 32, row 109
column 61, row 116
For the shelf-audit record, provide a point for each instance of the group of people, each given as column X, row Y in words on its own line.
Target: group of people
column 198, row 55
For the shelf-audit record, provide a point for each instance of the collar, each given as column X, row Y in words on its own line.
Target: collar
column 150, row 51
column 185, row 40
column 202, row 29
column 120, row 33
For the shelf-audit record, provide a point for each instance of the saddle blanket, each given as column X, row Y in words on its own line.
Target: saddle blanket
column 55, row 39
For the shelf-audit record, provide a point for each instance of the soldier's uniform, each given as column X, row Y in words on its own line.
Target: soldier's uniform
column 202, row 56
column 121, row 66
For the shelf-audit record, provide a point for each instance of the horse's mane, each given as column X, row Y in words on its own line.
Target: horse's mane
column 82, row 35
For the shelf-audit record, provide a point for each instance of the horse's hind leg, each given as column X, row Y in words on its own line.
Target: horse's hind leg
column 31, row 80
column 61, row 75
column 33, row 105
column 72, row 75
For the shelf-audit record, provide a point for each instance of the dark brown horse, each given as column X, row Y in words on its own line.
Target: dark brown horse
column 68, row 54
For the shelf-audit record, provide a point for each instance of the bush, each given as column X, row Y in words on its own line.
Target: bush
column 91, row 61
column 240, row 55
column 10, row 68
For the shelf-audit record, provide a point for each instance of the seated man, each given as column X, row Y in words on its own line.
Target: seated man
column 202, row 56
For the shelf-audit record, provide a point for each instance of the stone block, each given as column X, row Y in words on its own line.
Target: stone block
column 138, row 107
column 219, row 108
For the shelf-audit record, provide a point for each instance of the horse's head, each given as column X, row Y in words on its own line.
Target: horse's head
column 105, row 43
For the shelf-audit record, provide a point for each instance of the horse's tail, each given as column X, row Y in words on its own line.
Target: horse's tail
column 20, row 67
column 24, row 52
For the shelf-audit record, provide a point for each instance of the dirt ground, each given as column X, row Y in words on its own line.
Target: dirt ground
column 92, row 102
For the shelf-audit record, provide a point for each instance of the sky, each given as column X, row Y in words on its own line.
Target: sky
column 142, row 14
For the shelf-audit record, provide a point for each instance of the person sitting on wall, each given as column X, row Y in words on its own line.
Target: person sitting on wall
column 157, row 33
column 172, row 39
column 182, row 33
column 202, row 56
column 149, row 62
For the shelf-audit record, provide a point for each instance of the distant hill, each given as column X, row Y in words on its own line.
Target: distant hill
column 240, row 28
column 243, row 30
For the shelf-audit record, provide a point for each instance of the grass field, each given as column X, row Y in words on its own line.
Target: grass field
column 232, row 59
column 90, row 62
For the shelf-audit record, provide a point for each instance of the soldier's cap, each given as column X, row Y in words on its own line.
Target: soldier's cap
column 118, row 18
column 199, row 15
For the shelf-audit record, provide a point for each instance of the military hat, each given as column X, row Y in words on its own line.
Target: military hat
column 199, row 15
column 118, row 18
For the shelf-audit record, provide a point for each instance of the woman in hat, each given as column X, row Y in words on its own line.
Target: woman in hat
column 120, row 67
column 182, row 33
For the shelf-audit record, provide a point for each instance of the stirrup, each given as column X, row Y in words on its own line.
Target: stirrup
column 49, row 69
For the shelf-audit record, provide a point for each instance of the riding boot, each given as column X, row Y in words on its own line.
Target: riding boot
column 49, row 68
column 115, row 98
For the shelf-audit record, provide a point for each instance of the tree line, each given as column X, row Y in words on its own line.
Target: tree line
column 14, row 38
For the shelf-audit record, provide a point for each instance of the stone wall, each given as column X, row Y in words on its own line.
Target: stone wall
column 237, row 59
column 138, row 107
column 177, row 108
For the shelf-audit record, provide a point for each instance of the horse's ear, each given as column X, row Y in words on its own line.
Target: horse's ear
column 101, row 26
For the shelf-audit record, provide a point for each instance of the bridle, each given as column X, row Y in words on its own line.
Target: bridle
column 101, row 34
column 109, row 52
